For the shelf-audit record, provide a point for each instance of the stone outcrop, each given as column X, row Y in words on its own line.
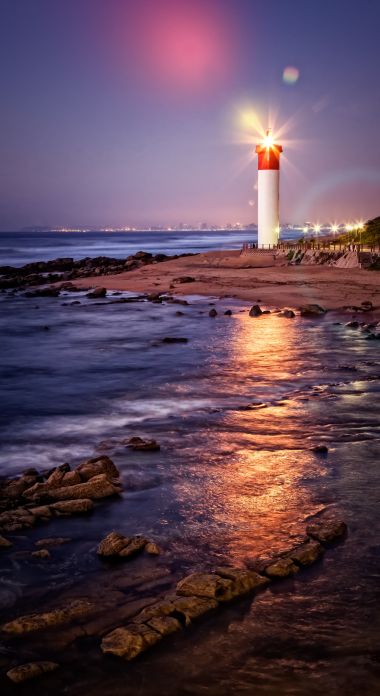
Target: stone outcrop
column 42, row 274
column 72, row 507
column 48, row 619
column 30, row 670
column 195, row 596
column 327, row 531
column 41, row 553
column 59, row 492
column 97, row 293
column 255, row 311
column 126, row 628
column 281, row 568
column 307, row 553
column 140, row 445
column 116, row 545
column 312, row 310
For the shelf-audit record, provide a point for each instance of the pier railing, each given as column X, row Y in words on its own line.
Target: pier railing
column 313, row 246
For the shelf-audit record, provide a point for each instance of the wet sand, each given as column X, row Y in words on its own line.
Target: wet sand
column 258, row 278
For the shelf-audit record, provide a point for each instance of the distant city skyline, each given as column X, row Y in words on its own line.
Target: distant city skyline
column 144, row 110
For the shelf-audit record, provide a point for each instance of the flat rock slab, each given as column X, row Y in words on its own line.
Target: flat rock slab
column 327, row 531
column 30, row 670
column 307, row 553
column 73, row 507
column 120, row 546
column 208, row 585
column 49, row 619
column 281, row 568
column 130, row 641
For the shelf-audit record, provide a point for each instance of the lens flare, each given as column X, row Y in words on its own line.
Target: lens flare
column 177, row 47
column 290, row 75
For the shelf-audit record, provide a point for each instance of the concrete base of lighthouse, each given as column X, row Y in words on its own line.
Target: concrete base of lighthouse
column 268, row 207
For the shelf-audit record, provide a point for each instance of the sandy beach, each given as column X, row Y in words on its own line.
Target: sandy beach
column 260, row 278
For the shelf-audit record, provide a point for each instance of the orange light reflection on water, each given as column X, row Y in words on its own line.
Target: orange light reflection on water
column 251, row 495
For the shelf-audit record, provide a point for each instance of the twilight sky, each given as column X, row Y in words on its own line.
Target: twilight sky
column 140, row 112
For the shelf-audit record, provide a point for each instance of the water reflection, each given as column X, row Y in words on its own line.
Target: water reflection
column 252, row 491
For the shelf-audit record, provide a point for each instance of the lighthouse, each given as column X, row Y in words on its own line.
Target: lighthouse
column 268, row 188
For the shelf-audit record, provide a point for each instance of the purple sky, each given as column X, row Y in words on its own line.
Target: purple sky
column 138, row 111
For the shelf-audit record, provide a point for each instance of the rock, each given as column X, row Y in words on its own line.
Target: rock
column 184, row 279
column 71, row 478
column 352, row 325
column 97, row 465
column 179, row 313
column 213, row 313
column 327, row 531
column 134, row 546
column 78, row 506
column 52, row 541
column 312, row 310
column 194, row 607
column 96, row 488
column 255, row 311
column 120, row 546
column 164, row 625
column 228, row 313
column 55, row 478
column 138, row 444
column 112, row 544
column 174, row 339
column 41, row 553
column 243, row 581
column 208, row 585
column 189, row 608
column 367, row 305
column 130, row 641
column 13, row 520
column 164, row 607
column 320, row 449
column 30, row 670
column 97, row 293
column 307, row 553
column 281, row 568
column 4, row 543
column 42, row 512
column 152, row 548
column 14, row 489
column 57, row 617
column 288, row 313
column 37, row 492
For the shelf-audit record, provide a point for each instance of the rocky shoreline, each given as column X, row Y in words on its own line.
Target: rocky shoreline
column 65, row 269
column 140, row 609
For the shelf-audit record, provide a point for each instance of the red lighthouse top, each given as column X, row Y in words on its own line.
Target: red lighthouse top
column 269, row 153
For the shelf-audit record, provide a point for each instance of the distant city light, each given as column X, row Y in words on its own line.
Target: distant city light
column 317, row 228
column 349, row 227
column 334, row 228
column 305, row 229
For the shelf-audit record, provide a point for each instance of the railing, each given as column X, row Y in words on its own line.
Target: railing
column 313, row 246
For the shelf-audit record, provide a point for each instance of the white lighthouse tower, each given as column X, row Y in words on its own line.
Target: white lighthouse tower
column 268, row 186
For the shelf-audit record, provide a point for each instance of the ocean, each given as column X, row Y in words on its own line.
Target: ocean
column 227, row 485
column 19, row 248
